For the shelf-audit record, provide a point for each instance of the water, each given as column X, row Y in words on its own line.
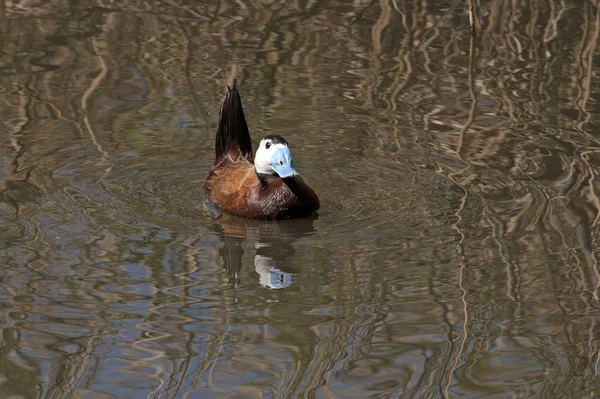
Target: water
column 455, row 254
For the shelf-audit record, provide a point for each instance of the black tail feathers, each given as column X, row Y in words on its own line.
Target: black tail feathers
column 233, row 137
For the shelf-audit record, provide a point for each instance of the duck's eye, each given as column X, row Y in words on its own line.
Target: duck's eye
column 280, row 162
column 267, row 145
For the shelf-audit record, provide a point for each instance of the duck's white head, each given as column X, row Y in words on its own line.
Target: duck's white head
column 274, row 158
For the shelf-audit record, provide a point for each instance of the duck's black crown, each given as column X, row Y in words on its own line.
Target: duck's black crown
column 275, row 139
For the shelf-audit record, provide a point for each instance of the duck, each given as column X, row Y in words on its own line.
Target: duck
column 263, row 186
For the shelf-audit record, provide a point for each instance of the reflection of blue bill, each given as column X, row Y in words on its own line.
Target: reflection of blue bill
column 270, row 276
column 279, row 279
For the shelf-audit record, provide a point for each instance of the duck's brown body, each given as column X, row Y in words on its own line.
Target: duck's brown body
column 235, row 187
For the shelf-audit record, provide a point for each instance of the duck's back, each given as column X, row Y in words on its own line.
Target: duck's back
column 231, row 181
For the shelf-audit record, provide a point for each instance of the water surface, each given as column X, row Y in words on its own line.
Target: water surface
column 455, row 254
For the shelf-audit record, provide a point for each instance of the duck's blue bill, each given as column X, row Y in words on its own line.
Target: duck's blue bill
column 282, row 162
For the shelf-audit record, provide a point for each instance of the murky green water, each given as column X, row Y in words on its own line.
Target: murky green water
column 455, row 254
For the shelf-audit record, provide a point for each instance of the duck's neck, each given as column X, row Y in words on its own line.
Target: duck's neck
column 296, row 185
column 264, row 177
column 304, row 193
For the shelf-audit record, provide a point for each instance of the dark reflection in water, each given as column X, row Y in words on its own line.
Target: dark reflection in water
column 455, row 254
column 273, row 247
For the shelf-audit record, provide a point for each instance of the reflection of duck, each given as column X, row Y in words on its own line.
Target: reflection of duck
column 262, row 187
column 273, row 247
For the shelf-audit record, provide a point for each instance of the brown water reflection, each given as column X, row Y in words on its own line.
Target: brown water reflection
column 455, row 252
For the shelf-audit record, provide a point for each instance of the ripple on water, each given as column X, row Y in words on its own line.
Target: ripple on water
column 171, row 190
column 383, row 204
column 357, row 205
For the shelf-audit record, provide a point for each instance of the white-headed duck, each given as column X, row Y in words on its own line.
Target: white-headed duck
column 265, row 186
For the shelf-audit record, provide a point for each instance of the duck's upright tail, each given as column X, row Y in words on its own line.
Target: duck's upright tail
column 233, row 138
